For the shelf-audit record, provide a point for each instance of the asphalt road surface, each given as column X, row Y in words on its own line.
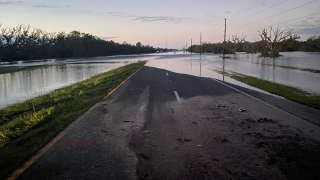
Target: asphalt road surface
column 195, row 131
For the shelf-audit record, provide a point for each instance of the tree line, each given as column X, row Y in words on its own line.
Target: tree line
column 23, row 43
column 270, row 43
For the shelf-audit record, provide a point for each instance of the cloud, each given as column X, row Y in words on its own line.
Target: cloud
column 32, row 5
column 159, row 18
column 308, row 31
column 228, row 12
column 114, row 13
column 306, row 27
column 50, row 6
column 107, row 38
column 11, row 3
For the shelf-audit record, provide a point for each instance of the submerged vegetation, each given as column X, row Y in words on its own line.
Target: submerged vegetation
column 27, row 127
column 311, row 45
column 288, row 92
column 271, row 41
column 301, row 69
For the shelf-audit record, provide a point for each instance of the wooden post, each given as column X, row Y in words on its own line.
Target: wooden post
column 225, row 32
column 200, row 43
column 191, row 46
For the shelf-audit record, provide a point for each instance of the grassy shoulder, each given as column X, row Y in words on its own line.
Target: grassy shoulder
column 27, row 127
column 270, row 54
column 20, row 69
column 288, row 92
column 225, row 57
column 301, row 69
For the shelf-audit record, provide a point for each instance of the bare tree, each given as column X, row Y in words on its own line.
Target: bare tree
column 273, row 39
column 236, row 40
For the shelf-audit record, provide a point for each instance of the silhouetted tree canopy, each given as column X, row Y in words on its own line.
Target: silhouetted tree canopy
column 311, row 45
column 22, row 43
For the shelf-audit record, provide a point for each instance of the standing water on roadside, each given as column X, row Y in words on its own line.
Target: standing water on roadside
column 16, row 87
column 19, row 86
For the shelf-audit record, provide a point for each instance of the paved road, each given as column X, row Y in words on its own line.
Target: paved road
column 187, row 139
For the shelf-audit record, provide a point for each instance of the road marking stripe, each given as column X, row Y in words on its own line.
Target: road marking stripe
column 177, row 96
column 167, row 74
column 259, row 100
column 27, row 164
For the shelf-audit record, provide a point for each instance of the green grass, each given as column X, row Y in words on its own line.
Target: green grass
column 21, row 69
column 27, row 127
column 270, row 54
column 288, row 92
column 225, row 57
column 301, row 69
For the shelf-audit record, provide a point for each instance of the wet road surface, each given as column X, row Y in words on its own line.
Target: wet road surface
column 186, row 139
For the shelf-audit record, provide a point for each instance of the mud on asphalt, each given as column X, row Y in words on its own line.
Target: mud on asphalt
column 233, row 145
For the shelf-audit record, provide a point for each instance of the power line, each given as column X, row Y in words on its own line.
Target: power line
column 214, row 35
column 247, row 9
column 308, row 29
column 284, row 22
column 212, row 27
column 214, row 30
column 277, row 14
column 234, row 15
column 301, row 30
column 258, row 11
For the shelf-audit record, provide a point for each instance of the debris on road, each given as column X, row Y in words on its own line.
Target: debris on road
column 219, row 107
column 199, row 145
column 146, row 131
column 144, row 156
column 126, row 121
column 266, row 120
column 185, row 140
column 242, row 110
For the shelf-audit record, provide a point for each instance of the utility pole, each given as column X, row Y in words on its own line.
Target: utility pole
column 200, row 43
column 225, row 33
column 166, row 45
column 191, row 46
column 187, row 48
column 224, row 48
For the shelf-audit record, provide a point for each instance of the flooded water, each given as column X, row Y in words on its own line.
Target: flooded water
column 19, row 86
column 250, row 64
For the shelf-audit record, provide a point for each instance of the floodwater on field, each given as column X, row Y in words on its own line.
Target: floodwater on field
column 52, row 74
column 16, row 87
column 250, row 64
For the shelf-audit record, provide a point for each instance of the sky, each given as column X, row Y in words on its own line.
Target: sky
column 171, row 22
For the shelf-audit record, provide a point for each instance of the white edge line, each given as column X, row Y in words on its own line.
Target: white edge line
column 177, row 96
column 257, row 99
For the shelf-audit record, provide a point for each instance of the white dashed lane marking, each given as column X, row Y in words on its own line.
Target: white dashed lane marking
column 177, row 96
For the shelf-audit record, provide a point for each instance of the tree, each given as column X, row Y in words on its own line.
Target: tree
column 313, row 44
column 273, row 39
column 138, row 44
column 22, row 43
column 236, row 40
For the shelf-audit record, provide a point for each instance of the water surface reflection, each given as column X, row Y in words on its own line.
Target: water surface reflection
column 53, row 74
column 19, row 86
